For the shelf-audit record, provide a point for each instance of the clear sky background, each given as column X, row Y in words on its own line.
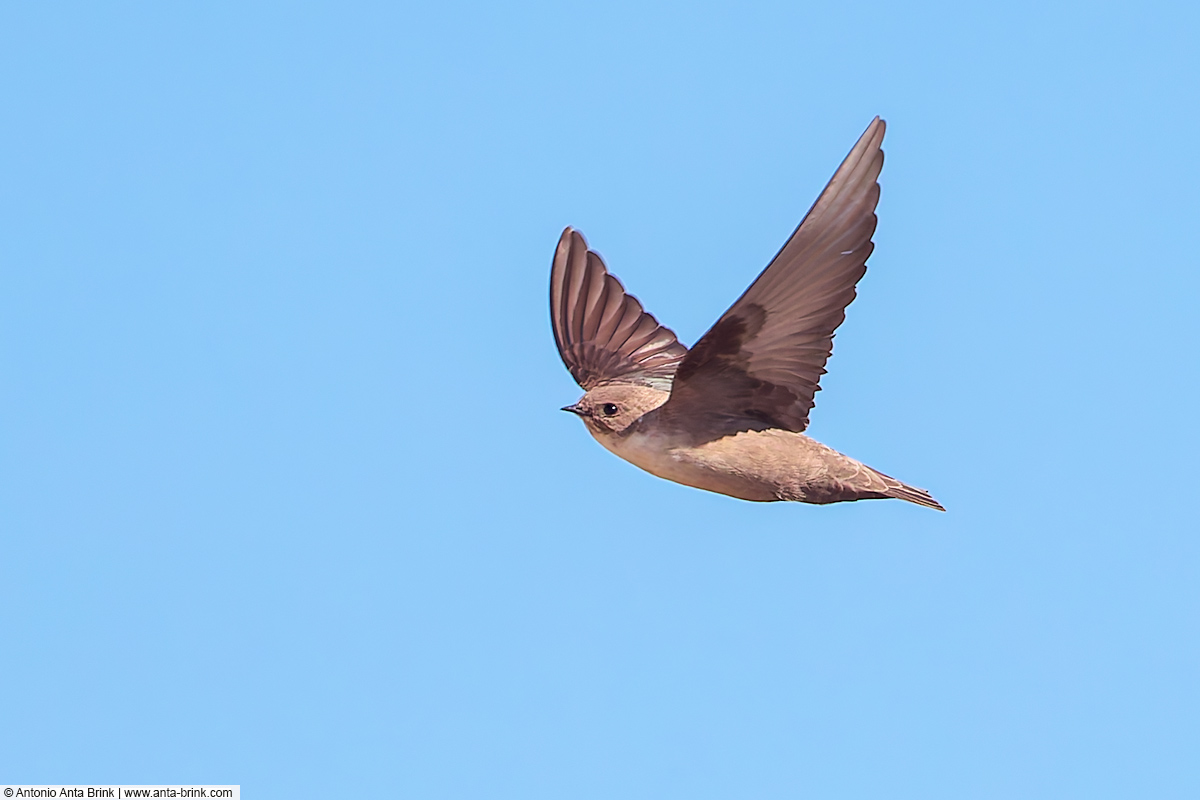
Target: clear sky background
column 287, row 500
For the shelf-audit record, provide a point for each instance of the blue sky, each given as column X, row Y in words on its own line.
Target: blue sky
column 287, row 500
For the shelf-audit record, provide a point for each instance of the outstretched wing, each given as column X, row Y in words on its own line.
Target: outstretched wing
column 603, row 334
column 759, row 366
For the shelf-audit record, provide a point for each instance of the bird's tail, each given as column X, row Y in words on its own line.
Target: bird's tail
column 902, row 491
column 914, row 495
column 853, row 480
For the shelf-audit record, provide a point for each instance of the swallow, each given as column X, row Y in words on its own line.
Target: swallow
column 729, row 415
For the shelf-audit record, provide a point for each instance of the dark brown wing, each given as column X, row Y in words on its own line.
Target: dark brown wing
column 760, row 364
column 603, row 334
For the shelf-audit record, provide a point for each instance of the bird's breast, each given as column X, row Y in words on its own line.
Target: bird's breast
column 705, row 466
column 650, row 451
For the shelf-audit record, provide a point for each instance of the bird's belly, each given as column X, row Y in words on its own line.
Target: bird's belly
column 724, row 466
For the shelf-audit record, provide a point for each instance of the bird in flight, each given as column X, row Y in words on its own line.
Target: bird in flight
column 729, row 415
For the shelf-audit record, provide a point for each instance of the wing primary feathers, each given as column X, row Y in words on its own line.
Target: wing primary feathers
column 602, row 332
column 761, row 363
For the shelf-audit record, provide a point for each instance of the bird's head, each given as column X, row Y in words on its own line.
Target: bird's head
column 611, row 409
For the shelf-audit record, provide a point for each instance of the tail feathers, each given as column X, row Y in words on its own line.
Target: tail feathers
column 854, row 480
column 902, row 491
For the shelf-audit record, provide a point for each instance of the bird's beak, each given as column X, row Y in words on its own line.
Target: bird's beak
column 573, row 409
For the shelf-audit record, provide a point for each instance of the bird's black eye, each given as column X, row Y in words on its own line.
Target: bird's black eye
column 609, row 409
